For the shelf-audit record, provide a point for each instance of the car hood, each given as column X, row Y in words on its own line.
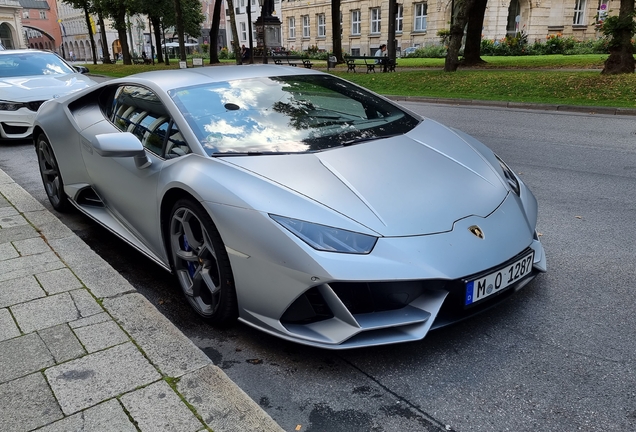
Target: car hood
column 413, row 184
column 42, row 87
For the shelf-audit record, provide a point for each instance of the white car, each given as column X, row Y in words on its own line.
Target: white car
column 28, row 78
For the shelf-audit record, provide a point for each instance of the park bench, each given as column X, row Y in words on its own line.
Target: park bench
column 386, row 64
column 284, row 59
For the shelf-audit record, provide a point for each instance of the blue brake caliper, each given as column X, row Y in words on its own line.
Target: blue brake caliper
column 187, row 248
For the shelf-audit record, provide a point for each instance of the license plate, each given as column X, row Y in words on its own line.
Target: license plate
column 497, row 281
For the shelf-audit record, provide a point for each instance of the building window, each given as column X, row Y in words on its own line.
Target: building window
column 579, row 12
column 420, row 17
column 306, row 32
column 25, row 13
column 355, row 22
column 291, row 23
column 243, row 31
column 399, row 19
column 322, row 26
column 42, row 14
column 375, row 20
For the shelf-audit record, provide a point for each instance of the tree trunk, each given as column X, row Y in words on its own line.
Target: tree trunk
column 214, row 32
column 390, row 43
column 621, row 58
column 156, row 29
column 180, row 29
column 90, row 35
column 102, row 32
column 457, row 34
column 336, row 31
column 249, row 29
column 235, row 43
column 120, row 25
column 472, row 48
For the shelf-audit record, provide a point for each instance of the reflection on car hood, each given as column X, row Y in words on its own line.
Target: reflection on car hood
column 42, row 87
column 414, row 184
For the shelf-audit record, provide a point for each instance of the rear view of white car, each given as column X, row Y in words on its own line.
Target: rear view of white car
column 28, row 78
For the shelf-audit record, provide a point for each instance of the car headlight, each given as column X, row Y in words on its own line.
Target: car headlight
column 509, row 175
column 326, row 238
column 10, row 106
column 14, row 106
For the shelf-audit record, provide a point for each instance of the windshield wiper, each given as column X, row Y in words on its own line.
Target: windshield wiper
column 256, row 153
column 366, row 138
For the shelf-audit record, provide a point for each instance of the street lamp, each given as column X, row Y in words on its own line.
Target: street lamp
column 262, row 3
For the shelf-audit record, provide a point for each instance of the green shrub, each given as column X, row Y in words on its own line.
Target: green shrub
column 430, row 51
column 554, row 44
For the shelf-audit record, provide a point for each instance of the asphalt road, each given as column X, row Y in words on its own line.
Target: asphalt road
column 558, row 356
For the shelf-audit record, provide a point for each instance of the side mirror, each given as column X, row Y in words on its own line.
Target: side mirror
column 81, row 69
column 121, row 144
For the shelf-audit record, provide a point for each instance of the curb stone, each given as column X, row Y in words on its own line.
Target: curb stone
column 518, row 105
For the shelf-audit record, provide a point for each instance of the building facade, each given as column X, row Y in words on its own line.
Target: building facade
column 11, row 32
column 364, row 27
column 39, row 21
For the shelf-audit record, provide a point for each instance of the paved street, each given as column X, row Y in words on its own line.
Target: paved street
column 557, row 356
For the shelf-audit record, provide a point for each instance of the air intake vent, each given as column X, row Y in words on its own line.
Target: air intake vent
column 88, row 197
column 309, row 307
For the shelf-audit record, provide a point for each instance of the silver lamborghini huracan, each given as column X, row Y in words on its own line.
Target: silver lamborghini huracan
column 302, row 204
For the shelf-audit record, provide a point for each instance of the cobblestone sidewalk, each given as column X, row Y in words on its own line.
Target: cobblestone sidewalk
column 81, row 350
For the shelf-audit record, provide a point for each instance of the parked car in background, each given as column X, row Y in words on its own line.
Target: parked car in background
column 303, row 204
column 408, row 51
column 27, row 79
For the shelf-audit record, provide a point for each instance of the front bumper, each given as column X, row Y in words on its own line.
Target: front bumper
column 16, row 124
column 331, row 300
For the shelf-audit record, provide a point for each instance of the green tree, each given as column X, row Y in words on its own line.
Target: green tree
column 88, row 8
column 117, row 10
column 156, row 11
column 620, row 29
column 188, row 18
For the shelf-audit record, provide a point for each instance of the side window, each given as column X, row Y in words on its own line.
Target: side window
column 139, row 111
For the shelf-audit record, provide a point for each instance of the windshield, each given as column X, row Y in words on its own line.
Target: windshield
column 287, row 114
column 29, row 64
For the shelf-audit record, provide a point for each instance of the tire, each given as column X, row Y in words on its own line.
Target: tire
column 201, row 264
column 51, row 176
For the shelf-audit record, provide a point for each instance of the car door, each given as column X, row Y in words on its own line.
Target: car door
column 128, row 191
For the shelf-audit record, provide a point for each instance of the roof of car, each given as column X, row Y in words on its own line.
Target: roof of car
column 171, row 79
column 25, row 51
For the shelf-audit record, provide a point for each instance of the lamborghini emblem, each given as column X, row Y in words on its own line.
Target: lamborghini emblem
column 477, row 232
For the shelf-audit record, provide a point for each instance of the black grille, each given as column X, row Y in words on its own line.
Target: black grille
column 14, row 130
column 367, row 297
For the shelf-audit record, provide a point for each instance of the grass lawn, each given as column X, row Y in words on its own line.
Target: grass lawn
column 553, row 79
